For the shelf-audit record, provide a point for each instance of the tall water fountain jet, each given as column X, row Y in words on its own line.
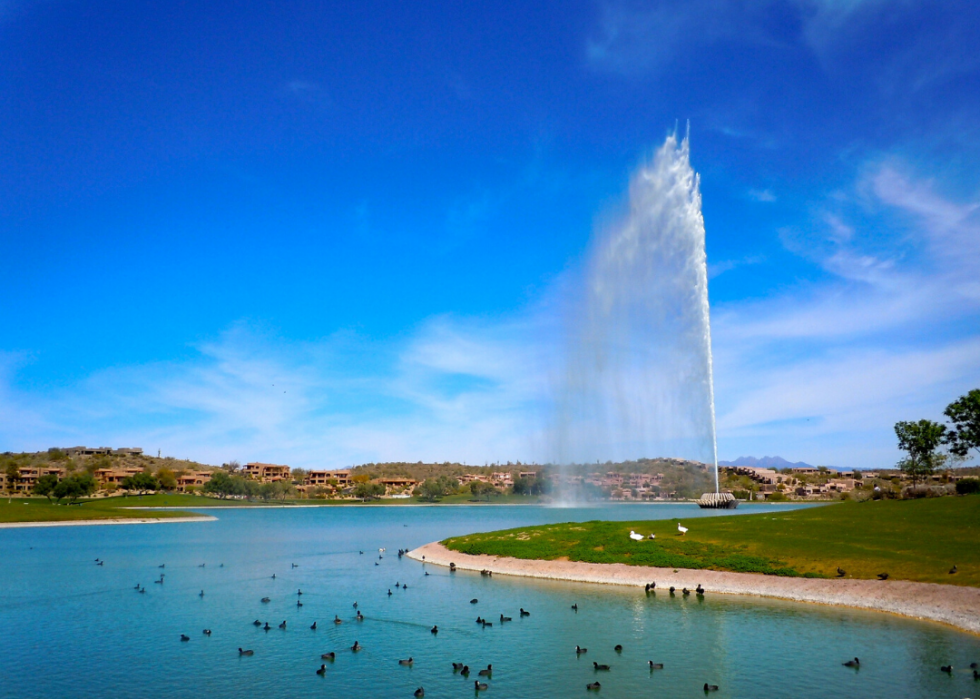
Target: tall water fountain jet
column 638, row 377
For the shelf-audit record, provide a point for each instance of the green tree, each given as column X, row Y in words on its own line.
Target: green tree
column 13, row 475
column 431, row 490
column 55, row 454
column 167, row 479
column 140, row 482
column 74, row 487
column 920, row 440
column 369, row 491
column 45, row 485
column 964, row 414
column 220, row 484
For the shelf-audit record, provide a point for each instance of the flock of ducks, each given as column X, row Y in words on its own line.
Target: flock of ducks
column 487, row 673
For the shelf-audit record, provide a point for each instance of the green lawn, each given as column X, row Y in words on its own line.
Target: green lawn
column 39, row 510
column 909, row 539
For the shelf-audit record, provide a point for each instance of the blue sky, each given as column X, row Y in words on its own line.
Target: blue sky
column 331, row 233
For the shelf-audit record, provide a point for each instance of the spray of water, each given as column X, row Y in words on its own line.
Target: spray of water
column 638, row 377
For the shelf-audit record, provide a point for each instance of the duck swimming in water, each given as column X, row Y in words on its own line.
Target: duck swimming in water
column 525, row 613
column 579, row 650
column 245, row 652
column 504, row 618
column 256, row 623
column 184, row 637
column 322, row 671
column 266, row 627
column 593, row 686
column 337, row 619
column 419, row 692
column 487, row 672
column 313, row 626
column 407, row 661
column 710, row 687
column 207, row 632
column 598, row 667
column 852, row 663
column 434, row 630
column 479, row 686
column 618, row 648
column 360, row 617
column 356, row 647
column 328, row 656
column 655, row 666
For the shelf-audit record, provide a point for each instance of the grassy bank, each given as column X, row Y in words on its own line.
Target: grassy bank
column 40, row 510
column 916, row 540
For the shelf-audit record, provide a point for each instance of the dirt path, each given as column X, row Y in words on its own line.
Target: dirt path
column 948, row 604
column 121, row 520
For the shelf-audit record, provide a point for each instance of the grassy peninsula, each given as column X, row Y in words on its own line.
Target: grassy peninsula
column 18, row 510
column 918, row 540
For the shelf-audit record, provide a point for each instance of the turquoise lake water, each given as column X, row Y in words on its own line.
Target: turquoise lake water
column 75, row 629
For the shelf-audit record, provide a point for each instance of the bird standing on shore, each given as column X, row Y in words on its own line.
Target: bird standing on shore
column 682, row 530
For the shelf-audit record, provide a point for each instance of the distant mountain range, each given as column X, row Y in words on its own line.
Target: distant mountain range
column 773, row 462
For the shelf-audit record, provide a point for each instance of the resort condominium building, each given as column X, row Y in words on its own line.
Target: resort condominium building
column 267, row 473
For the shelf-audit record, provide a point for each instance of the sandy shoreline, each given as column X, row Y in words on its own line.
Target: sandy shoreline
column 121, row 520
column 955, row 606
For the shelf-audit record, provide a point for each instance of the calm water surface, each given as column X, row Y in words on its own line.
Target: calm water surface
column 74, row 629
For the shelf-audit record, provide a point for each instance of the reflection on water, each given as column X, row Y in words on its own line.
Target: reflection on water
column 74, row 629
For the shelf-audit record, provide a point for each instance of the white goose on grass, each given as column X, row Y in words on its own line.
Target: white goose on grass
column 682, row 530
column 635, row 537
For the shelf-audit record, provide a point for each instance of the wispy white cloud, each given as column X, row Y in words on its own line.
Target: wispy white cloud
column 819, row 371
column 763, row 195
column 893, row 333
column 637, row 38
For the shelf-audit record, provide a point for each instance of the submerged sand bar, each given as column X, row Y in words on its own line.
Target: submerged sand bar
column 948, row 604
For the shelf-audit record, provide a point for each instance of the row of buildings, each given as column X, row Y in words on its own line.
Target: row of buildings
column 188, row 481
column 107, row 478
column 797, row 482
